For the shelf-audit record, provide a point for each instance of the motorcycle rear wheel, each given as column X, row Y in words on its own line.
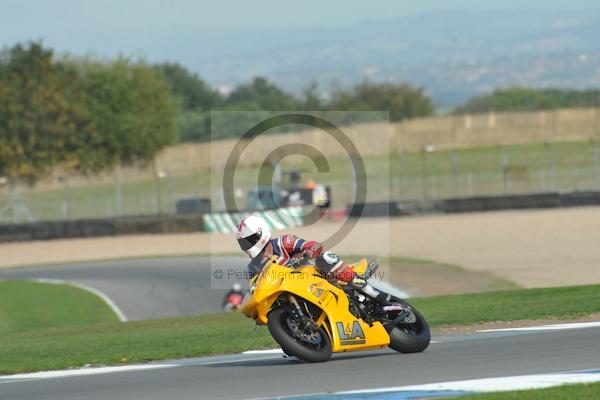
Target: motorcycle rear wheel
column 294, row 344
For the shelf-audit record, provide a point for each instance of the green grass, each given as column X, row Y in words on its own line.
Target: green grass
column 564, row 166
column 510, row 305
column 589, row 391
column 28, row 305
column 113, row 343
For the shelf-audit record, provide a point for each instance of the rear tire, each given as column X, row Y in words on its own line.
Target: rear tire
column 413, row 338
column 293, row 345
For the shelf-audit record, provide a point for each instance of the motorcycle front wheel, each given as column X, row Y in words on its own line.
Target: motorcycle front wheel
column 294, row 340
column 410, row 337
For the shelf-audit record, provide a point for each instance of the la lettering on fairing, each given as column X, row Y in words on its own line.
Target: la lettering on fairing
column 351, row 334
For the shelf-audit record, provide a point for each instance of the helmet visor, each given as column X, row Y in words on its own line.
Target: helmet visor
column 249, row 241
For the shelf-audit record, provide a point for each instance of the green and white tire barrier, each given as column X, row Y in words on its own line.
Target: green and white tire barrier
column 281, row 218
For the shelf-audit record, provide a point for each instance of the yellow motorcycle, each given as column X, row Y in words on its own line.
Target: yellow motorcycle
column 311, row 318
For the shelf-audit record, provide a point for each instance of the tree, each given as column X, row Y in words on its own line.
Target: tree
column 195, row 126
column 133, row 111
column 402, row 101
column 527, row 99
column 83, row 117
column 43, row 119
column 311, row 99
column 193, row 93
column 262, row 95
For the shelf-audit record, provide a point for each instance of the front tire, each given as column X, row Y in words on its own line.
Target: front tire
column 313, row 348
column 410, row 338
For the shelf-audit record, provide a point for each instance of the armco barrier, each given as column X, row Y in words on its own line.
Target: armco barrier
column 380, row 209
column 196, row 222
column 159, row 224
column 509, row 202
column 101, row 227
column 479, row 204
column 580, row 199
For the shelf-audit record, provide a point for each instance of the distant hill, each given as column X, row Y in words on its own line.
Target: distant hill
column 454, row 55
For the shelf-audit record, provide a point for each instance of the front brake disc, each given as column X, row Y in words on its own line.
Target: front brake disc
column 309, row 337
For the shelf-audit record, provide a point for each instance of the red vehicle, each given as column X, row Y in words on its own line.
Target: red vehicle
column 234, row 298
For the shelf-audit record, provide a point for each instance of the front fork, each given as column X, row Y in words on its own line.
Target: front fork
column 307, row 321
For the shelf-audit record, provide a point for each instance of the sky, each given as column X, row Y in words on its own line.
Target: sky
column 62, row 20
column 153, row 29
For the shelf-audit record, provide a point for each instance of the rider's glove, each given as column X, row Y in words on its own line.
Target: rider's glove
column 312, row 249
column 343, row 272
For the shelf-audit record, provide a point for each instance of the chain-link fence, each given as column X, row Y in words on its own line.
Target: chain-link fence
column 426, row 175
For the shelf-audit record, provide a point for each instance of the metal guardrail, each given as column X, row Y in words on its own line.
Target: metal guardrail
column 480, row 203
column 172, row 223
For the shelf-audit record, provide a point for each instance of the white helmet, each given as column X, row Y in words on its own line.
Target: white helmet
column 253, row 235
column 237, row 287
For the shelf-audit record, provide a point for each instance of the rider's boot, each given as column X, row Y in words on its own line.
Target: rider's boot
column 380, row 297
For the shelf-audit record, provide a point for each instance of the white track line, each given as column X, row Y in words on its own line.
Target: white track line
column 81, row 372
column 90, row 289
column 509, row 383
column 555, row 327
column 269, row 351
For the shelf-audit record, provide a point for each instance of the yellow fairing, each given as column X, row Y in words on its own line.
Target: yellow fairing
column 360, row 267
column 347, row 333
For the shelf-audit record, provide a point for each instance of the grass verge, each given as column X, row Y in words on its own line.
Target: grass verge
column 139, row 341
column 510, row 305
column 26, row 305
column 589, row 391
column 113, row 343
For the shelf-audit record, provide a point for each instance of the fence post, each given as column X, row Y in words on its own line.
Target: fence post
column 19, row 208
column 14, row 202
column 596, row 160
column 504, row 163
column 404, row 172
column 171, row 191
column 550, row 165
column 454, row 168
column 425, row 169
column 470, row 184
column 424, row 173
column 3, row 199
column 118, row 193
column 66, row 198
column 543, row 185
column 395, row 189
column 158, row 175
column 433, row 185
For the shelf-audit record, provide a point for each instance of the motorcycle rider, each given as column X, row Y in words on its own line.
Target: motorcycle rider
column 254, row 237
column 233, row 298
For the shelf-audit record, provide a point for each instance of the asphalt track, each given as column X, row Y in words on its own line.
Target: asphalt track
column 148, row 288
column 151, row 288
column 454, row 357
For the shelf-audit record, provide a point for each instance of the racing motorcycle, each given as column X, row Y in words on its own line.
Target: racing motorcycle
column 233, row 301
column 311, row 318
